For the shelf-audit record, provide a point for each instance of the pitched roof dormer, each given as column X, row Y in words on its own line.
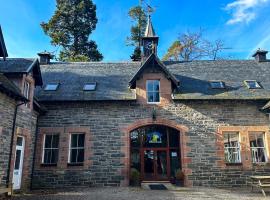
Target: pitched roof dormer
column 3, row 50
column 153, row 62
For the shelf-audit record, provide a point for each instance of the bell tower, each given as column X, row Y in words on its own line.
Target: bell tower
column 149, row 40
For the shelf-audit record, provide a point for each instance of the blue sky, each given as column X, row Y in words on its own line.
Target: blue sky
column 244, row 25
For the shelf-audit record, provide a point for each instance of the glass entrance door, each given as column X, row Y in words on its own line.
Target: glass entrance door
column 155, row 165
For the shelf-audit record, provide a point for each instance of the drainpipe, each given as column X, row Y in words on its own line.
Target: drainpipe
column 12, row 140
column 34, row 155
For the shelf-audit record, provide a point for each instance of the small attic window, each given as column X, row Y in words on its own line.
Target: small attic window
column 90, row 86
column 217, row 84
column 253, row 84
column 51, row 87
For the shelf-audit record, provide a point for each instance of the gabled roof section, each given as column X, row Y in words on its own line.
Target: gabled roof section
column 153, row 61
column 3, row 50
column 10, row 89
column 22, row 66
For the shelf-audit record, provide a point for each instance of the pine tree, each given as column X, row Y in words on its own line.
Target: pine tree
column 139, row 17
column 70, row 28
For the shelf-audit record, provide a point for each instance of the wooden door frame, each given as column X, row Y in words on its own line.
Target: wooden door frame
column 168, row 164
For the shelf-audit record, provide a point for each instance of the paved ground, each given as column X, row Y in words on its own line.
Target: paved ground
column 139, row 194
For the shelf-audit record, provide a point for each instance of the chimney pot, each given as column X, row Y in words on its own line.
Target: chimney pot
column 260, row 55
column 45, row 57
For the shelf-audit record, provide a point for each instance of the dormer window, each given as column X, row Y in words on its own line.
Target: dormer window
column 153, row 91
column 51, row 87
column 217, row 84
column 253, row 84
column 90, row 86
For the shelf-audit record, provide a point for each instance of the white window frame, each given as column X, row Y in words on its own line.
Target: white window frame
column 258, row 84
column 236, row 151
column 56, row 85
column 43, row 153
column 26, row 90
column 254, row 150
column 147, row 81
column 221, row 84
column 71, row 148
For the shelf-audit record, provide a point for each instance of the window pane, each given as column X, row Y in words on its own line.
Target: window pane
column 73, row 155
column 55, row 141
column 80, row 155
column 134, row 139
column 156, row 97
column 150, row 97
column 81, row 140
column 173, row 138
column 74, row 140
column 19, row 141
column 232, row 147
column 18, row 159
column 258, row 152
column 156, row 86
column 149, row 86
column 48, row 140
column 135, row 159
column 54, row 156
column 47, row 156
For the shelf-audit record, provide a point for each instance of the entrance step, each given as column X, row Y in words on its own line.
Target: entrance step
column 167, row 184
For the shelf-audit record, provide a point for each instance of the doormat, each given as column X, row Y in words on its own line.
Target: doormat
column 157, row 187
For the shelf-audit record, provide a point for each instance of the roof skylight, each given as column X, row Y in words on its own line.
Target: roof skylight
column 217, row 84
column 253, row 84
column 51, row 87
column 90, row 86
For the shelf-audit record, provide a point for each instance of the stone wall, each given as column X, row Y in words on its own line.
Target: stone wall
column 7, row 107
column 108, row 121
column 25, row 126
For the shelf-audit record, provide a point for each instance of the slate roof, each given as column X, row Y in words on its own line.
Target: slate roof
column 113, row 80
column 9, row 88
column 21, row 65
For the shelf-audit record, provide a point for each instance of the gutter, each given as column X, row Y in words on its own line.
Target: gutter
column 12, row 140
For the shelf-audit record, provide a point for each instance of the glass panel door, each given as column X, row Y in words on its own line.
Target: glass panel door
column 149, row 164
column 161, row 165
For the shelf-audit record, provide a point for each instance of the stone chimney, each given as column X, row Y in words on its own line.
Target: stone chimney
column 260, row 55
column 45, row 57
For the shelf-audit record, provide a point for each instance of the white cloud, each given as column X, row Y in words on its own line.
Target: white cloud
column 243, row 10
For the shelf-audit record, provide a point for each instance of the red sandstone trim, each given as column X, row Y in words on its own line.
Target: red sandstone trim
column 149, row 121
column 64, row 141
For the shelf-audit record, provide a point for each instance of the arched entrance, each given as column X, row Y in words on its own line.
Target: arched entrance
column 155, row 152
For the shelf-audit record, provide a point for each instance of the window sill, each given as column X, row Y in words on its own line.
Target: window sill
column 234, row 164
column 153, row 103
column 74, row 164
column 48, row 165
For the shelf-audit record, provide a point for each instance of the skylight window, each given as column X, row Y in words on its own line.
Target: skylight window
column 217, row 84
column 51, row 87
column 90, row 86
column 253, row 84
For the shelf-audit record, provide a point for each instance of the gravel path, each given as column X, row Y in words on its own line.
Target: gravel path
column 123, row 193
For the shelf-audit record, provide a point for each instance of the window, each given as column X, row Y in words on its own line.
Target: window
column 253, row 84
column 26, row 89
column 152, row 88
column 50, row 149
column 257, row 147
column 232, row 148
column 90, row 86
column 76, row 152
column 217, row 84
column 51, row 87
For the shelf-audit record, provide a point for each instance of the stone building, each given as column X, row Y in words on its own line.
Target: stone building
column 95, row 121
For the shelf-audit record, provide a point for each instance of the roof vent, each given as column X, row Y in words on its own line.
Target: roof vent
column 260, row 55
column 45, row 57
